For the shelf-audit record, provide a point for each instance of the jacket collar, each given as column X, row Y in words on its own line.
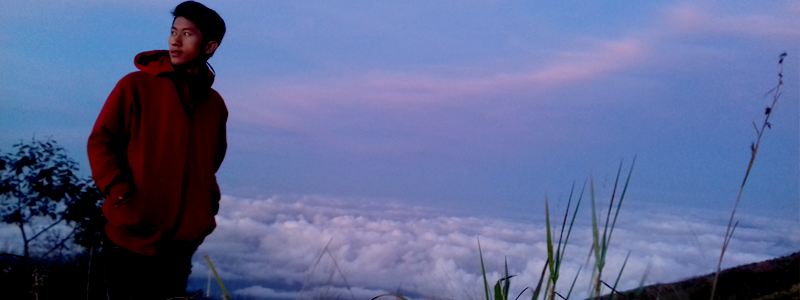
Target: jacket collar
column 156, row 62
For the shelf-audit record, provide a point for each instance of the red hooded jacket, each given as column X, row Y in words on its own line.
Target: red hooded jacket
column 159, row 140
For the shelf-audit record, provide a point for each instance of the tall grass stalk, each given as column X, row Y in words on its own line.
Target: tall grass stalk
column 503, row 284
column 219, row 280
column 614, row 288
column 483, row 271
column 538, row 288
column 601, row 244
column 326, row 250
column 776, row 94
column 574, row 281
column 556, row 250
column 555, row 258
column 640, row 290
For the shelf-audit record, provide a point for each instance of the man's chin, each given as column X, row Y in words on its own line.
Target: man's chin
column 176, row 61
column 185, row 64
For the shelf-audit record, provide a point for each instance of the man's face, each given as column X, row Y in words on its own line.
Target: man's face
column 185, row 41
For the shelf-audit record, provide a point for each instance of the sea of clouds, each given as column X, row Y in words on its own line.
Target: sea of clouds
column 315, row 247
column 304, row 247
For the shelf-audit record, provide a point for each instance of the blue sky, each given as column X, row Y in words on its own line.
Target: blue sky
column 473, row 108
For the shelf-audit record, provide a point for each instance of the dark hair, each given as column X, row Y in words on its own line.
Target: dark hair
column 207, row 20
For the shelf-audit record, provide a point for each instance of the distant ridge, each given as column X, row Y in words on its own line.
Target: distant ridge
column 775, row 279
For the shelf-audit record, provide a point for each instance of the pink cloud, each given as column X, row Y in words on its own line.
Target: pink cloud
column 350, row 102
column 281, row 104
column 697, row 19
column 608, row 57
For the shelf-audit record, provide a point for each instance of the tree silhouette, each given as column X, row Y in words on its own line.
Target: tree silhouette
column 39, row 182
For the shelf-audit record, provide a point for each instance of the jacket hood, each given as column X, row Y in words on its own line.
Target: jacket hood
column 157, row 62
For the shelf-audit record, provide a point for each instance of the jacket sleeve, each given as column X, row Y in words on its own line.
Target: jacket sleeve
column 108, row 142
column 222, row 146
column 222, row 142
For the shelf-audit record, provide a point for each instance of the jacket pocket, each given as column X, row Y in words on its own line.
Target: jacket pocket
column 121, row 201
column 122, row 212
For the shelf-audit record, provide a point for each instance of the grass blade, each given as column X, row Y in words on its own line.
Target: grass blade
column 520, row 293
column 219, row 280
column 551, row 282
column 622, row 197
column 483, row 271
column 507, row 284
column 502, row 285
column 500, row 293
column 314, row 268
column 640, row 290
column 549, row 239
column 598, row 260
column 344, row 278
column 595, row 229
column 572, row 222
column 620, row 274
column 559, row 255
column 605, row 239
column 601, row 244
column 574, row 281
column 539, row 285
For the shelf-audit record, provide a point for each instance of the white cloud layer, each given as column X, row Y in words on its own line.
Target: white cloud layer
column 276, row 248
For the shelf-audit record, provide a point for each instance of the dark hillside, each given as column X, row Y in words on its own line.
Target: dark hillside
column 776, row 279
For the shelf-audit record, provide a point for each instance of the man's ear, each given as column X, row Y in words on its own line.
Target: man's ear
column 211, row 46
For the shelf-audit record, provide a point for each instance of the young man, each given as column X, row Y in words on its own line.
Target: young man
column 154, row 150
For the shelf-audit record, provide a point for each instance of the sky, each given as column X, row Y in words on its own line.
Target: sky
column 403, row 131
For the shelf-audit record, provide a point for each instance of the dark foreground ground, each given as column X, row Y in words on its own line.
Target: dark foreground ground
column 776, row 279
